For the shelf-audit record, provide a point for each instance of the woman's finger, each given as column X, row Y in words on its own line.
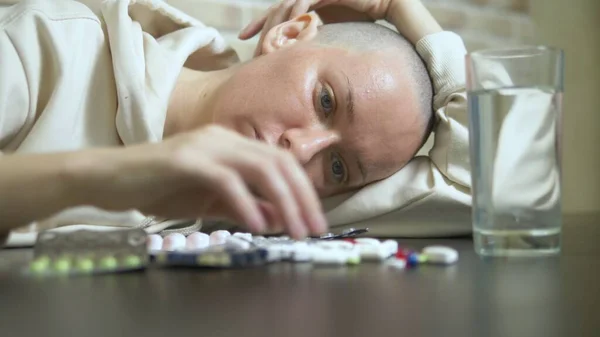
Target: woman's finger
column 275, row 188
column 305, row 194
column 253, row 27
column 301, row 7
column 235, row 194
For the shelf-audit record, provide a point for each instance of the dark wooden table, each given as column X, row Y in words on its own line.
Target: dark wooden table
column 477, row 297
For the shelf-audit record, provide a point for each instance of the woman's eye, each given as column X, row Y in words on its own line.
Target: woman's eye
column 338, row 171
column 326, row 100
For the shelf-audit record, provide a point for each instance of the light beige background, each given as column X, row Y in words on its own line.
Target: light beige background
column 575, row 26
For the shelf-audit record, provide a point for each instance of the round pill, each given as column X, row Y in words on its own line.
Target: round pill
column 237, row 243
column 85, row 265
column 108, row 262
column 368, row 241
column 440, row 254
column 62, row 265
column 328, row 256
column 196, row 241
column 40, row 264
column 244, row 236
column 219, row 237
column 335, row 244
column 412, row 260
column 391, row 246
column 132, row 261
column 369, row 252
column 396, row 263
column 175, row 241
column 154, row 242
column 301, row 252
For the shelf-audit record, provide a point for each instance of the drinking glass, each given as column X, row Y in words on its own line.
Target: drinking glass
column 515, row 102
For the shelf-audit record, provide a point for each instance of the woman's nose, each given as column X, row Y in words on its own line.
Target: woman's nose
column 306, row 143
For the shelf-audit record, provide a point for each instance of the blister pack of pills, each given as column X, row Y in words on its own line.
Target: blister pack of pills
column 85, row 252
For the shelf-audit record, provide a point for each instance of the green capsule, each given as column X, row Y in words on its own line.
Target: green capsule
column 354, row 260
column 132, row 261
column 85, row 265
column 422, row 258
column 40, row 264
column 108, row 262
column 62, row 265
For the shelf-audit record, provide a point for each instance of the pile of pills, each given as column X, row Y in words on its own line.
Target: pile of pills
column 223, row 249
column 90, row 252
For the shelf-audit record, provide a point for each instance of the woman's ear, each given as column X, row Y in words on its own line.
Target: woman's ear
column 302, row 28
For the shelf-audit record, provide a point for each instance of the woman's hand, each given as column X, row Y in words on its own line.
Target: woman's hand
column 329, row 11
column 410, row 17
column 214, row 172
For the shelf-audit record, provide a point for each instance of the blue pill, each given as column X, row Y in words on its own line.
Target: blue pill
column 412, row 260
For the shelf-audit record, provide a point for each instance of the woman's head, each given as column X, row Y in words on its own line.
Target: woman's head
column 352, row 101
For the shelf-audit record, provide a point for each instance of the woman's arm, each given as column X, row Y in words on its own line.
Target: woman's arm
column 208, row 172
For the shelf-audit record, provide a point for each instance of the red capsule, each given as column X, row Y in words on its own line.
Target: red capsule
column 402, row 253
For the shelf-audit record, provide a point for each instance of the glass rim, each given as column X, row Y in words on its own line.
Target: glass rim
column 515, row 52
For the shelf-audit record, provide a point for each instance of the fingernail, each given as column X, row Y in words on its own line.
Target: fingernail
column 259, row 224
column 300, row 232
column 318, row 223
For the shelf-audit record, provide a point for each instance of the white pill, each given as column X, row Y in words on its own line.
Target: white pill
column 334, row 244
column 279, row 251
column 175, row 241
column 391, row 246
column 369, row 241
column 273, row 254
column 237, row 243
column 301, row 252
column 154, row 242
column 353, row 254
column 329, row 256
column 245, row 236
column 219, row 237
column 396, row 263
column 285, row 251
column 440, row 254
column 196, row 241
column 369, row 252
